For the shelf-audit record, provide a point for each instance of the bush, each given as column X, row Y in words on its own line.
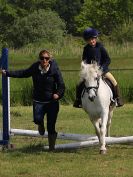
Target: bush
column 123, row 33
column 39, row 25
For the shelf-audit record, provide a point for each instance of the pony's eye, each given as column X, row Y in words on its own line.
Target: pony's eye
column 96, row 78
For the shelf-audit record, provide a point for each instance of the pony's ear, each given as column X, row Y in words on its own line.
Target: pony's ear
column 83, row 65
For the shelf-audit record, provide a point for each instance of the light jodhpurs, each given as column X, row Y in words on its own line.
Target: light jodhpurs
column 109, row 76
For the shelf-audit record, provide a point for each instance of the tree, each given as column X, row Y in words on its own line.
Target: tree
column 11, row 11
column 28, row 6
column 68, row 9
column 39, row 25
column 123, row 33
column 105, row 15
column 7, row 17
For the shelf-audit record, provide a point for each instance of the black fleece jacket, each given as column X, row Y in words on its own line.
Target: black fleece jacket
column 97, row 53
column 44, row 84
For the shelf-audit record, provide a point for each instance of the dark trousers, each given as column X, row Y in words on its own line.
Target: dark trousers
column 50, row 109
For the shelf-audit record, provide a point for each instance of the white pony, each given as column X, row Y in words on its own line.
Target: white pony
column 96, row 98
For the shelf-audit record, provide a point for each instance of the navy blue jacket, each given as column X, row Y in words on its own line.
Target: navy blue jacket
column 44, row 85
column 97, row 53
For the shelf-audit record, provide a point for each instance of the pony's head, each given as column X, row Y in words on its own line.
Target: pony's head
column 91, row 74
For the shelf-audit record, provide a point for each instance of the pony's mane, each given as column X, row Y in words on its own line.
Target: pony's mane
column 89, row 70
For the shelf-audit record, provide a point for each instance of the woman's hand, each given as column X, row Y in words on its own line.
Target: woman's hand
column 55, row 96
column 3, row 72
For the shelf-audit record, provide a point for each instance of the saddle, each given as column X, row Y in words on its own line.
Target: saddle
column 109, row 83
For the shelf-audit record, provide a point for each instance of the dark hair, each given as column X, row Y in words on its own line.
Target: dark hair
column 44, row 51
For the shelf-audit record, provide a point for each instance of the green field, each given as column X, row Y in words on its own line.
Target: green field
column 21, row 90
column 30, row 159
column 68, row 56
column 30, row 26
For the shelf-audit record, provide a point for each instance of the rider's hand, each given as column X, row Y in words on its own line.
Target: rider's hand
column 55, row 96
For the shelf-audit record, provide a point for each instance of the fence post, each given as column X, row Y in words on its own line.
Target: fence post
column 5, row 98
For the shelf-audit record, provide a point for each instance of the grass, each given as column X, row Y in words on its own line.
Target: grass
column 69, row 53
column 68, row 56
column 29, row 158
column 21, row 90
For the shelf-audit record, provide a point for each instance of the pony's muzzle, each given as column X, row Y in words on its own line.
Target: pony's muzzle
column 91, row 98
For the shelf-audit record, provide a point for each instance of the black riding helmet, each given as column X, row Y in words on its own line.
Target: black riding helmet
column 90, row 32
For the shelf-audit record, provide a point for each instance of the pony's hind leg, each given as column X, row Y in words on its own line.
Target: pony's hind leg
column 110, row 115
column 108, row 127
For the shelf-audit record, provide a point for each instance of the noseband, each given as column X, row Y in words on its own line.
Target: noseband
column 87, row 89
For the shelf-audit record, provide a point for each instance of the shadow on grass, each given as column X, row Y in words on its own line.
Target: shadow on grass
column 37, row 149
column 40, row 148
column 32, row 149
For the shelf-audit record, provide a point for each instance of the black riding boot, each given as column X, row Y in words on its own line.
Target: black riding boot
column 118, row 97
column 79, row 89
column 52, row 140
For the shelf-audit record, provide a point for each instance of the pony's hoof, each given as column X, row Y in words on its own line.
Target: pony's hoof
column 103, row 152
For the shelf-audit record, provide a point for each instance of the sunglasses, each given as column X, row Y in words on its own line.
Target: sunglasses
column 46, row 58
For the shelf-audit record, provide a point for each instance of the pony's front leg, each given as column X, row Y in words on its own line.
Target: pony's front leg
column 104, row 119
column 97, row 125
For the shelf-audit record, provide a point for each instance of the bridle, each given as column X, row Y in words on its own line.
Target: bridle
column 95, row 88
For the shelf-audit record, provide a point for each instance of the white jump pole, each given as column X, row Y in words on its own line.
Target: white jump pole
column 77, row 145
column 65, row 136
column 87, row 140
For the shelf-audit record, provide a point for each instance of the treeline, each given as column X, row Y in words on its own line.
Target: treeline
column 28, row 21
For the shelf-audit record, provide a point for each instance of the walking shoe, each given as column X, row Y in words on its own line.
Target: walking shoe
column 41, row 128
column 52, row 140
